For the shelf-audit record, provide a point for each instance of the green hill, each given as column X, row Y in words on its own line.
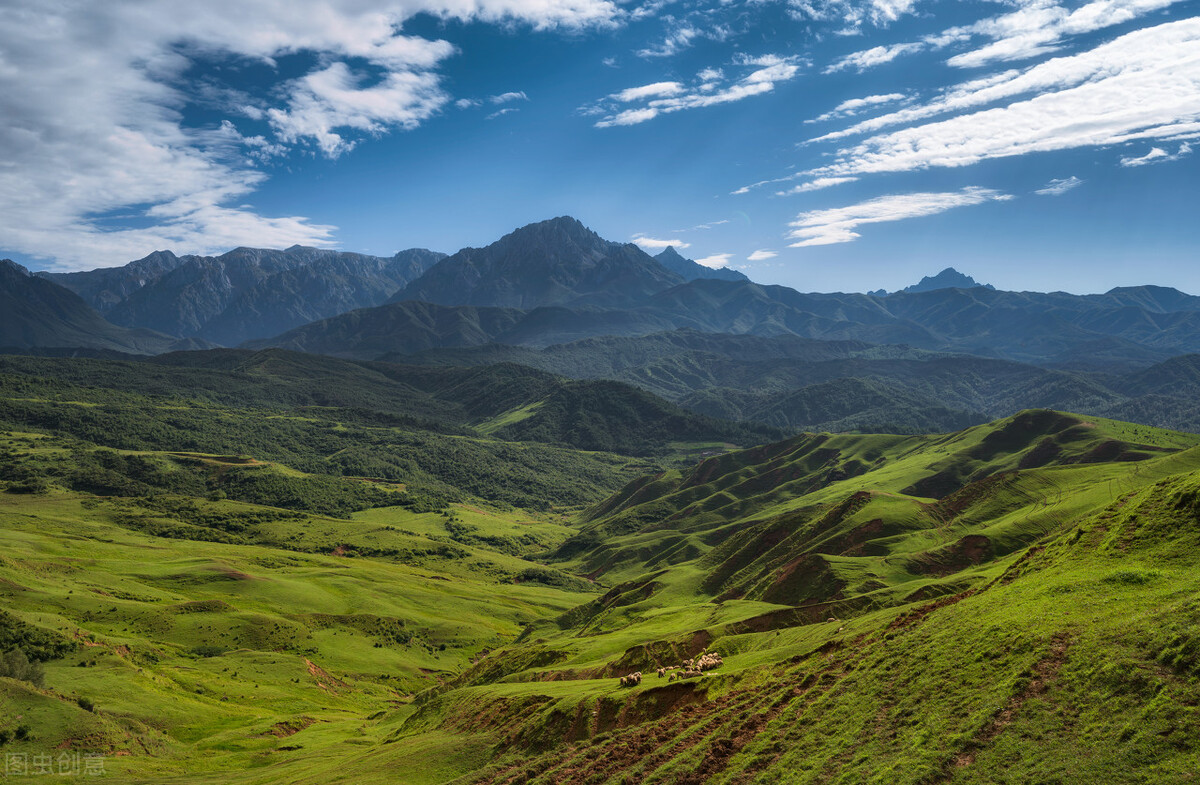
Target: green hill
column 1016, row 601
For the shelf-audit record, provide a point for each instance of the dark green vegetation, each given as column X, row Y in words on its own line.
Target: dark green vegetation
column 801, row 384
column 1015, row 602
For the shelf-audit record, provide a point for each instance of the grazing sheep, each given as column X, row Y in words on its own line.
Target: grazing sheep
column 632, row 680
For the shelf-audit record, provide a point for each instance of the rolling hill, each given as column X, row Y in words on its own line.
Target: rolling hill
column 1015, row 601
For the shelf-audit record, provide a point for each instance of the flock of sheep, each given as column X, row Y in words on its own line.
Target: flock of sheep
column 696, row 666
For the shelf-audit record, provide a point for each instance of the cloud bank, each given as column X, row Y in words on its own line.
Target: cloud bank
column 92, row 100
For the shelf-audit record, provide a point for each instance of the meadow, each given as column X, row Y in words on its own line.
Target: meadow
column 203, row 592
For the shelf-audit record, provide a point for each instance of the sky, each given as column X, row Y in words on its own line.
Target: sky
column 826, row 145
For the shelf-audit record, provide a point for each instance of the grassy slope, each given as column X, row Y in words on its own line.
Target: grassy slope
column 921, row 655
column 1066, row 649
column 376, row 631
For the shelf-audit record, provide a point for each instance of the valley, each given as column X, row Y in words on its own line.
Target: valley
column 901, row 608
column 558, row 511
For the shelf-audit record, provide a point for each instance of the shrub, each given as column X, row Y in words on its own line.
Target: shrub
column 85, row 703
column 15, row 665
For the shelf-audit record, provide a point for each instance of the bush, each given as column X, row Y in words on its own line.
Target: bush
column 207, row 650
column 15, row 665
column 85, row 703
column 34, row 486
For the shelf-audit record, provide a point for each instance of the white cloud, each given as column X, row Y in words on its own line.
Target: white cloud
column 869, row 58
column 655, row 244
column 676, row 41
column 1036, row 27
column 92, row 100
column 1157, row 155
column 1143, row 85
column 648, row 91
column 837, row 225
column 710, row 75
column 852, row 13
column 761, row 255
column 715, row 261
column 1039, row 27
column 327, row 101
column 815, row 185
column 505, row 98
column 502, row 112
column 710, row 225
column 856, row 106
column 667, row 97
column 468, row 103
column 1060, row 186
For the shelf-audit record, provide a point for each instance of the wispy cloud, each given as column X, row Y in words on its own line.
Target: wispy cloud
column 853, row 14
column 683, row 35
column 1060, row 186
column 648, row 91
column 709, row 225
column 710, row 89
column 656, row 244
column 1142, row 85
column 869, row 58
column 761, row 255
column 715, row 261
column 502, row 112
column 505, row 98
column 838, row 225
column 1036, row 27
column 856, row 106
column 1157, row 155
column 816, row 184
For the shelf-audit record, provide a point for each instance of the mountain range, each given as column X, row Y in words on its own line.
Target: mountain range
column 941, row 354
column 246, row 293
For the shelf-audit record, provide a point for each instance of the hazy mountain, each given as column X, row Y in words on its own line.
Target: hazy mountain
column 106, row 287
column 246, row 293
column 559, row 262
column 946, row 279
column 412, row 326
column 37, row 313
column 690, row 270
column 328, row 286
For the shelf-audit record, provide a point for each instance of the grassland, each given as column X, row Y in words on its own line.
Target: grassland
column 1016, row 602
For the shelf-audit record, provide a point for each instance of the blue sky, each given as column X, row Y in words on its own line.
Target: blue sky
column 821, row 144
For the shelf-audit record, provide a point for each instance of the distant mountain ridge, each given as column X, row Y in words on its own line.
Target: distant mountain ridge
column 245, row 293
column 1055, row 329
column 946, row 279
